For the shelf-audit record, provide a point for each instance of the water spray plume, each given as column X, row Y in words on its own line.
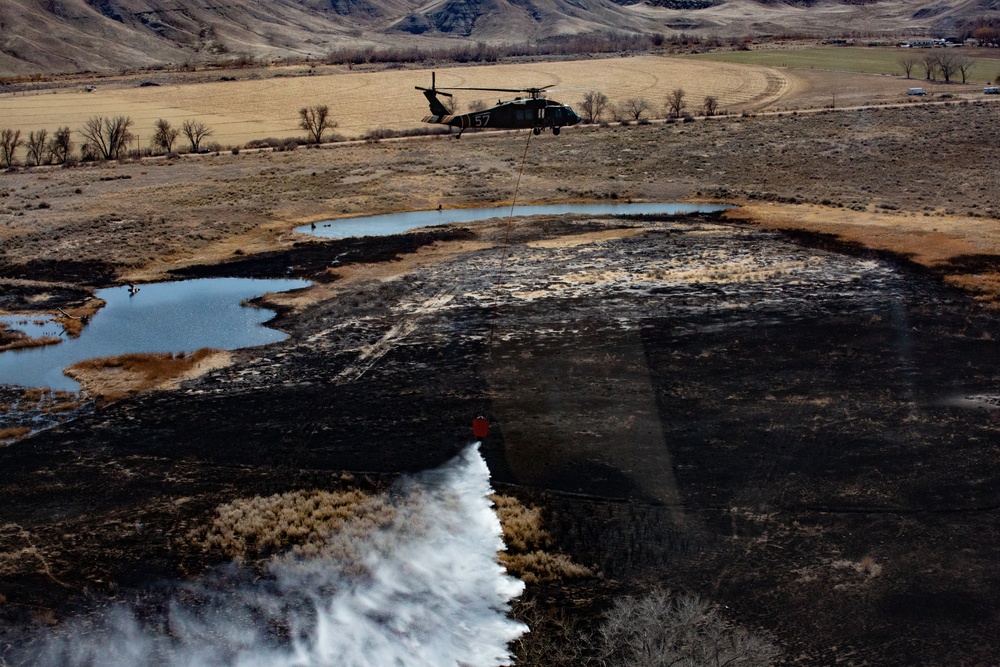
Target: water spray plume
column 427, row 591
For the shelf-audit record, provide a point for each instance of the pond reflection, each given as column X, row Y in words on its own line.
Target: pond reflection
column 160, row 317
column 395, row 223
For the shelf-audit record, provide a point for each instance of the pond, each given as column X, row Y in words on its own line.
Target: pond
column 396, row 223
column 161, row 317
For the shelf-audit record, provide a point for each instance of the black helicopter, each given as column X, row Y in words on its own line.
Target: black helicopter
column 533, row 112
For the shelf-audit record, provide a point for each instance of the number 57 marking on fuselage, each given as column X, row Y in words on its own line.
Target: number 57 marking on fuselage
column 534, row 112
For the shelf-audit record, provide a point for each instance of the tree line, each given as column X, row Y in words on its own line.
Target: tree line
column 946, row 63
column 101, row 138
column 595, row 42
column 596, row 105
column 109, row 138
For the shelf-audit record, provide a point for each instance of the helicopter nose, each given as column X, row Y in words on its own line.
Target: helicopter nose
column 573, row 118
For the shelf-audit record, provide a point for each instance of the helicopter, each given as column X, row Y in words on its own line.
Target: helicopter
column 533, row 112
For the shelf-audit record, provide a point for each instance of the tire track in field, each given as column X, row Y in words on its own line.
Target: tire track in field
column 777, row 85
column 369, row 355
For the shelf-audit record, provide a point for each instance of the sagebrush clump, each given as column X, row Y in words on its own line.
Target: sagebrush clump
column 529, row 556
column 315, row 523
column 250, row 528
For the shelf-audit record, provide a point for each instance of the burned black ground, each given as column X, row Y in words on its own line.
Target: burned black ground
column 805, row 437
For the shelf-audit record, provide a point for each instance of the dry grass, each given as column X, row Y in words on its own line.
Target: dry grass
column 73, row 320
column 574, row 240
column 12, row 339
column 250, row 528
column 113, row 378
column 528, row 556
column 241, row 111
column 329, row 523
column 985, row 287
column 12, row 433
column 522, row 525
column 949, row 237
column 539, row 566
column 34, row 394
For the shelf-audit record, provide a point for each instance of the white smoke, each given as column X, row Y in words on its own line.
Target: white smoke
column 427, row 591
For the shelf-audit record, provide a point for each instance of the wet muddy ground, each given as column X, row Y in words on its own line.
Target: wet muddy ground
column 806, row 437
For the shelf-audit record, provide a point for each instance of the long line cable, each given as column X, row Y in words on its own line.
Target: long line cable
column 506, row 246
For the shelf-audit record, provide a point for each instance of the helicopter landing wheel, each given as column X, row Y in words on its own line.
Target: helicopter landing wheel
column 536, row 130
column 555, row 131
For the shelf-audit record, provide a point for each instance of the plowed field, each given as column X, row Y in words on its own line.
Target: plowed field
column 256, row 108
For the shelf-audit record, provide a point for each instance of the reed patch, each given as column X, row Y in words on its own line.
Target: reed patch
column 313, row 523
column 73, row 320
column 113, row 378
column 12, row 339
column 253, row 528
column 529, row 554
column 12, row 433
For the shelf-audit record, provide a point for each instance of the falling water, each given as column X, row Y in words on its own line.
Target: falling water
column 427, row 591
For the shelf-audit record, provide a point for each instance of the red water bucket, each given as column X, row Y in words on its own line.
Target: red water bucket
column 480, row 427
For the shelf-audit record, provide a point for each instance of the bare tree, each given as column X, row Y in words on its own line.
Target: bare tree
column 930, row 65
column 675, row 102
column 636, row 106
column 964, row 65
column 108, row 137
column 9, row 142
column 477, row 105
column 619, row 112
column 451, row 104
column 60, row 145
column 316, row 121
column 947, row 63
column 593, row 106
column 659, row 629
column 908, row 62
column 164, row 135
column 710, row 105
column 118, row 135
column 195, row 131
column 987, row 35
column 36, row 146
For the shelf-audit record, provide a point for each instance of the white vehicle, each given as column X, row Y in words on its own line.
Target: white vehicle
column 916, row 91
column 991, row 90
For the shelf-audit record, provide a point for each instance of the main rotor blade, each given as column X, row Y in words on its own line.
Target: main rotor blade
column 436, row 91
column 503, row 90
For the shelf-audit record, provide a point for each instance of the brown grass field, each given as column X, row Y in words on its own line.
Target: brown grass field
column 113, row 378
column 265, row 103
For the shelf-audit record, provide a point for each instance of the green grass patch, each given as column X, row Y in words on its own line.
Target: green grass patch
column 866, row 60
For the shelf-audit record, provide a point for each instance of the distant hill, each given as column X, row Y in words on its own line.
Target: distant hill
column 38, row 36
